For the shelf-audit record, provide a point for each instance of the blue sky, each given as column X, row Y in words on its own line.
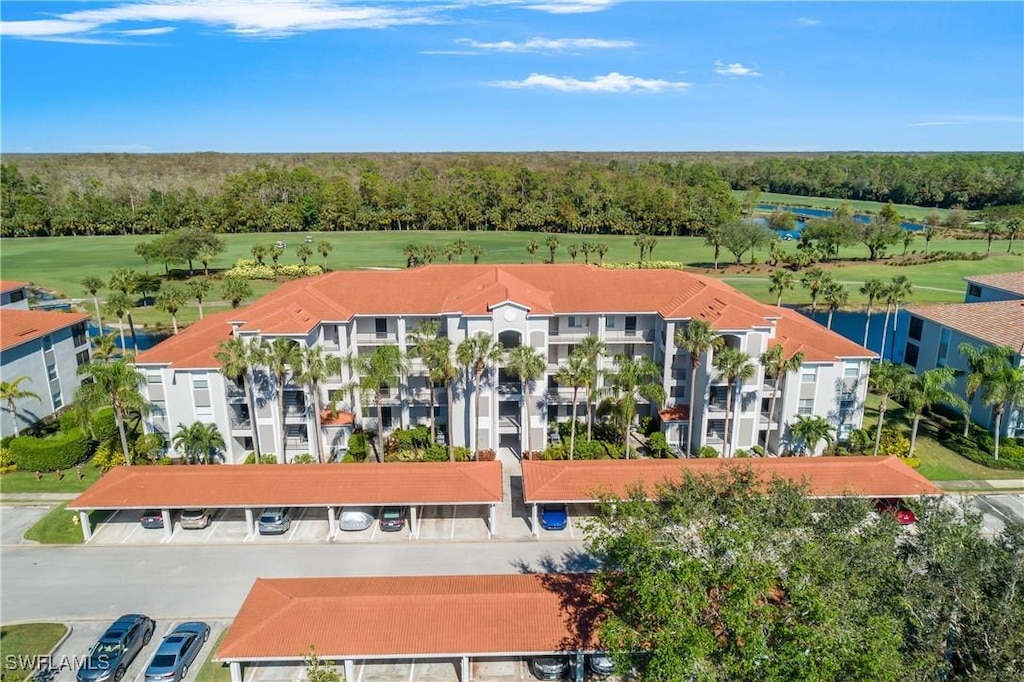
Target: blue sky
column 508, row 75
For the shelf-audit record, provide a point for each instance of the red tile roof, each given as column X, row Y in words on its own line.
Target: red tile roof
column 294, row 485
column 675, row 413
column 297, row 307
column 1007, row 281
column 998, row 322
column 797, row 333
column 340, row 419
column 21, row 326
column 581, row 481
column 413, row 617
column 194, row 347
column 9, row 285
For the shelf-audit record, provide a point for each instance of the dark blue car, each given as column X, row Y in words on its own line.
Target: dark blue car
column 116, row 649
column 176, row 653
column 553, row 516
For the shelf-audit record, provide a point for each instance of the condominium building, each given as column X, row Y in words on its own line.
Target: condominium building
column 550, row 308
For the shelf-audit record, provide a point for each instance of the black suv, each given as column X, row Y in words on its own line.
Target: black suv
column 117, row 648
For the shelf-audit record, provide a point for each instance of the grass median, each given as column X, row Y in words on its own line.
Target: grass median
column 61, row 527
column 212, row 671
column 24, row 645
column 27, row 482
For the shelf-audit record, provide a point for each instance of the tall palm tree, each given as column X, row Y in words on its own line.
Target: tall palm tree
column 92, row 286
column 809, row 431
column 304, row 252
column 170, row 299
column 575, row 373
column 237, row 359
column 317, row 367
column 735, row 367
column 925, row 390
column 836, row 296
column 444, row 372
column 235, row 290
column 778, row 366
column 11, row 391
column 1001, row 390
column 697, row 338
column 378, row 372
column 198, row 289
column 119, row 305
column 631, row 380
column 887, row 380
column 477, row 354
column 781, row 281
column 115, row 384
column 325, row 249
column 529, row 366
column 591, row 348
column 982, row 362
column 531, row 248
column 552, row 246
column 259, row 252
column 874, row 289
column 104, row 347
column 896, row 294
column 423, row 343
column 283, row 358
column 198, row 441
column 814, row 280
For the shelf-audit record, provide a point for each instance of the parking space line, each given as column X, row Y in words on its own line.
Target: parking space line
column 373, row 532
column 296, row 522
column 213, row 520
column 568, row 520
column 412, row 670
column 132, row 532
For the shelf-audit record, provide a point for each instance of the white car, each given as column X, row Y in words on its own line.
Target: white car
column 356, row 518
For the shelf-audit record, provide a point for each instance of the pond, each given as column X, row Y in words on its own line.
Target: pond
column 144, row 340
column 803, row 214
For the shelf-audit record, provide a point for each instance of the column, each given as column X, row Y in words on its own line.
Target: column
column 534, row 524
column 332, row 523
column 168, row 523
column 250, row 523
column 236, row 671
column 464, row 676
column 414, row 523
column 491, row 519
column 350, row 670
column 83, row 519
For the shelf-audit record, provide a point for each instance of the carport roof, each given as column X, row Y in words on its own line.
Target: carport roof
column 583, row 481
column 294, row 485
column 406, row 617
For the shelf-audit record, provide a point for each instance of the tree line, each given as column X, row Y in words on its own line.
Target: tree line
column 659, row 195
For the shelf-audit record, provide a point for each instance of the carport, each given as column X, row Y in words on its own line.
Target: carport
column 458, row 621
column 303, row 486
column 583, row 482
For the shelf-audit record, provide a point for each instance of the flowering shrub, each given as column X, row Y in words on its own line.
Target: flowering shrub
column 646, row 265
column 250, row 269
column 485, row 455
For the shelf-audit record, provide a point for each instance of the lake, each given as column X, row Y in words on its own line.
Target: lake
column 803, row 214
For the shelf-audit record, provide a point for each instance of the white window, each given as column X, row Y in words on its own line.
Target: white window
column 851, row 370
column 200, row 382
column 609, row 322
column 153, row 376
column 809, row 375
column 806, row 407
column 575, row 322
column 204, row 413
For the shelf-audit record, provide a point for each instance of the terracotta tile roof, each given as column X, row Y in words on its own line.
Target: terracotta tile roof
column 340, row 419
column 194, row 347
column 797, row 333
column 563, row 481
column 9, row 285
column 406, row 617
column 1007, row 281
column 21, row 326
column 294, row 485
column 999, row 322
column 675, row 413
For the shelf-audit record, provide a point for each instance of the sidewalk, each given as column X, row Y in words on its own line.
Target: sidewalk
column 1009, row 485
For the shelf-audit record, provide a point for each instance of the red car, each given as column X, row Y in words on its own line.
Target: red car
column 896, row 507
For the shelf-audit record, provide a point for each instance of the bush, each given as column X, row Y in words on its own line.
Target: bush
column 485, row 455
column 6, row 463
column 357, row 446
column 758, row 451
column 304, row 458
column 1011, row 455
column 648, row 425
column 646, row 265
column 61, row 451
column 742, row 454
column 861, row 440
column 405, row 440
column 893, row 443
column 657, row 446
column 554, row 452
column 103, row 425
column 435, row 453
column 68, row 420
column 707, row 452
column 462, row 454
column 265, row 458
column 251, row 269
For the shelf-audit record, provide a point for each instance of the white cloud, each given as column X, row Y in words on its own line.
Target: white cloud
column 807, row 21
column 538, row 44
column 159, row 30
column 964, row 119
column 734, row 70
column 613, row 82
column 570, row 6
column 45, row 27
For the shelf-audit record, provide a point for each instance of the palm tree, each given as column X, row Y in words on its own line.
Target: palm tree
column 781, row 281
column 198, row 441
column 170, row 299
column 932, row 221
column 477, row 354
column 575, row 373
column 981, row 362
column 448, row 250
column 573, row 249
column 697, row 338
column 814, row 280
column 376, row 373
column 809, row 431
column 476, row 251
column 532, row 247
column 735, row 367
column 282, row 357
column 104, row 347
column 318, row 367
column 275, row 252
column 528, row 365
column 591, row 348
column 118, row 304
column 325, row 249
column 552, row 246
column 205, row 255
column 429, row 253
column 631, row 380
column 443, row 371
column 887, row 379
column 836, row 296
column 423, row 343
column 897, row 292
column 303, row 252
column 412, row 255
column 778, row 366
column 115, row 384
column 259, row 252
column 236, row 359
column 92, row 286
column 601, row 249
column 1000, row 390
column 236, row 290
column 925, row 390
column 874, row 289
column 198, row 289
column 10, row 391
column 460, row 246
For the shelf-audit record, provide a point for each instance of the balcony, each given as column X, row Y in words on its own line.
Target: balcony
column 629, row 336
column 508, row 423
column 766, row 421
column 420, row 394
column 572, row 335
column 296, row 443
column 375, row 338
column 235, row 395
column 510, row 388
column 716, row 406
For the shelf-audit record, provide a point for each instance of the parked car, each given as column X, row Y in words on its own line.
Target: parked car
column 195, row 519
column 553, row 516
column 896, row 507
column 356, row 518
column 550, row 667
column 116, row 649
column 392, row 518
column 274, row 521
column 152, row 518
column 601, row 664
column 175, row 654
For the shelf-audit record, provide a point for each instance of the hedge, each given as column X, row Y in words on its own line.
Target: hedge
column 61, row 451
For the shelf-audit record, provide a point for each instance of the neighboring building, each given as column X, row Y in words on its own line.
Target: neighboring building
column 13, row 295
column 550, row 307
column 993, row 315
column 48, row 348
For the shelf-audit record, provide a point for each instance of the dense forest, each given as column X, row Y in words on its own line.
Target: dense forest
column 628, row 193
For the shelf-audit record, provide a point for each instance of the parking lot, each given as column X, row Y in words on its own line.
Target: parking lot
column 85, row 633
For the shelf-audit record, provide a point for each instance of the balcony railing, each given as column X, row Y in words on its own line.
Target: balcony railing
column 627, row 336
column 716, row 406
column 508, row 422
column 510, row 388
column 235, row 395
column 240, row 423
column 377, row 337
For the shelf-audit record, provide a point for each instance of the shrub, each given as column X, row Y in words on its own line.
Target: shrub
column 657, row 446
column 6, row 462
column 758, row 451
column 304, row 458
column 251, row 269
column 60, row 451
column 149, row 445
column 462, row 453
column 893, row 443
column 485, row 455
column 68, row 420
column 407, row 439
column 740, row 453
column 861, row 440
column 357, row 447
column 265, row 458
column 435, row 453
column 554, row 452
column 648, row 425
column 103, row 425
column 646, row 265
column 707, row 452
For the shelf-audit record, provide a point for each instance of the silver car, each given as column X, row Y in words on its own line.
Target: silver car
column 194, row 519
column 177, row 652
column 356, row 518
column 274, row 521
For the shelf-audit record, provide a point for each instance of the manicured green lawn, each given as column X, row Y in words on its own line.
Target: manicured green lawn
column 25, row 481
column 908, row 212
column 214, row 672
column 938, row 463
column 60, row 527
column 21, row 642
